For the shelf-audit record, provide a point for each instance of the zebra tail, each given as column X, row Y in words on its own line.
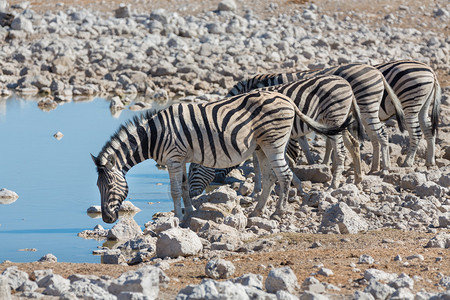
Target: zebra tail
column 357, row 116
column 436, row 107
column 318, row 127
column 399, row 114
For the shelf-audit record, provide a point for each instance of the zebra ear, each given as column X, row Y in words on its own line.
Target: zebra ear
column 94, row 159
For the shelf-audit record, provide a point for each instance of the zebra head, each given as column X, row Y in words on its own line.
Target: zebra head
column 112, row 185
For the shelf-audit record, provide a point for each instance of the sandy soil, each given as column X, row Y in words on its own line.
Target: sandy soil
column 337, row 252
column 293, row 250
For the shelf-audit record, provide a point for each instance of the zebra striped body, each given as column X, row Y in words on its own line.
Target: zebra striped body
column 416, row 86
column 218, row 135
column 368, row 85
column 329, row 101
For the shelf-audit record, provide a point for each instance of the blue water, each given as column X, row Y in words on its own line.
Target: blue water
column 56, row 179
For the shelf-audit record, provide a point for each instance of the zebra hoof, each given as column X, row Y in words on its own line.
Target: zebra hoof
column 276, row 217
column 255, row 213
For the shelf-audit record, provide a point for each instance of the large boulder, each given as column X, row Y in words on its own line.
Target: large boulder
column 178, row 242
column 144, row 281
column 15, row 277
column 125, row 229
column 340, row 218
column 281, row 279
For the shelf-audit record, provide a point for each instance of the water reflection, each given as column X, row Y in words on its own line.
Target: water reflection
column 56, row 180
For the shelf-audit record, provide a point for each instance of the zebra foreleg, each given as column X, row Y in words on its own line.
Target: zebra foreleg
column 188, row 208
column 176, row 186
column 268, row 182
column 257, row 180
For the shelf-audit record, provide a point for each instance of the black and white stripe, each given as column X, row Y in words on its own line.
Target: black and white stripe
column 328, row 100
column 218, row 135
column 417, row 87
column 368, row 85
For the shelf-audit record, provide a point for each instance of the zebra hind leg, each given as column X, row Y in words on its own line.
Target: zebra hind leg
column 352, row 146
column 429, row 133
column 268, row 182
column 339, row 156
column 415, row 134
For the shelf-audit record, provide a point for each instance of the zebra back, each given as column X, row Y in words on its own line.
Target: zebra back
column 414, row 83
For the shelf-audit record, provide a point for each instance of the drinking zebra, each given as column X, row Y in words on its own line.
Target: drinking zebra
column 218, row 135
column 416, row 86
column 328, row 100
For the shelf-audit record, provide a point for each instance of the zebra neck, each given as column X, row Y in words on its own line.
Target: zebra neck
column 129, row 146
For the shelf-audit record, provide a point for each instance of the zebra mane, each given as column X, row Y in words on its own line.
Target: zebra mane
column 114, row 141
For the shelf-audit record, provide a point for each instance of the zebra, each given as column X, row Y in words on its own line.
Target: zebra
column 218, row 135
column 369, row 87
column 326, row 99
column 416, row 86
column 200, row 177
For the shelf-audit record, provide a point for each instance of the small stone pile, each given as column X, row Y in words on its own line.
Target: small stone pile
column 77, row 53
column 143, row 283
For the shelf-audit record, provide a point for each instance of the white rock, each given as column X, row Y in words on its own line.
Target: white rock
column 250, row 280
column 58, row 135
column 178, row 242
column 127, row 206
column 125, row 229
column 440, row 240
column 342, row 218
column 312, row 296
column 412, row 180
column 378, row 275
column 227, row 5
column 366, row 259
column 22, row 23
column 402, row 281
column 359, row 295
column 444, row 220
column 262, row 223
column 165, row 223
column 281, row 279
column 7, row 196
column 48, row 258
column 325, row 272
column 15, row 277
column 56, row 285
column 5, row 290
column 87, row 290
column 219, row 269
column 144, row 280
column 41, row 277
column 379, row 290
column 28, row 286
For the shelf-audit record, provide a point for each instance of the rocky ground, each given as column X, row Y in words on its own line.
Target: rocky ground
column 385, row 238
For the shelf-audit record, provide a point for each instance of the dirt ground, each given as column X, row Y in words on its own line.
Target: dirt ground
column 337, row 252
